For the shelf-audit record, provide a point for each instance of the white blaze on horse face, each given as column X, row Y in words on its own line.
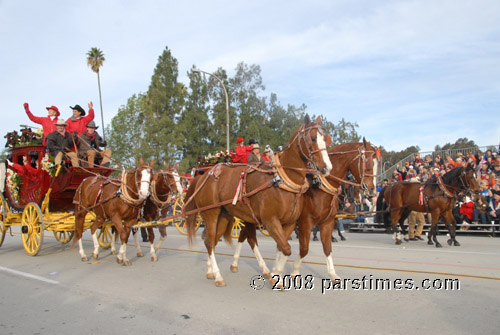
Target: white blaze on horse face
column 177, row 182
column 145, row 182
column 324, row 153
column 375, row 168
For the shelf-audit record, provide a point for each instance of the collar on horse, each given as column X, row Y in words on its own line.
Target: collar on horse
column 443, row 188
column 325, row 186
column 282, row 180
column 124, row 194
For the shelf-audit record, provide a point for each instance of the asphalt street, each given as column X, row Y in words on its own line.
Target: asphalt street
column 387, row 289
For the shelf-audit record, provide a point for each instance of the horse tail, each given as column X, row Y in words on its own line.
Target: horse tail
column 190, row 205
column 379, row 217
column 227, row 233
column 77, row 200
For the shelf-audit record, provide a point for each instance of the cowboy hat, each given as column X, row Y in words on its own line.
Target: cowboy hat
column 78, row 108
column 92, row 125
column 55, row 109
column 255, row 146
column 60, row 122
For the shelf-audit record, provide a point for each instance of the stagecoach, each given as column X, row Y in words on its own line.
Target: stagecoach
column 43, row 200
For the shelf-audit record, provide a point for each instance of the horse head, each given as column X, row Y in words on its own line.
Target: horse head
column 143, row 177
column 470, row 179
column 173, row 178
column 313, row 141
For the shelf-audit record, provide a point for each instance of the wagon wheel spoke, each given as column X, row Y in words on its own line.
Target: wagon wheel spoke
column 237, row 227
column 104, row 236
column 63, row 237
column 32, row 226
column 263, row 230
column 3, row 218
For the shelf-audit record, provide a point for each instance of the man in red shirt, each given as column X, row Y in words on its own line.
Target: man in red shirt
column 48, row 122
column 79, row 121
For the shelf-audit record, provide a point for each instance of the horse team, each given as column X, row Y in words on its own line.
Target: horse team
column 299, row 188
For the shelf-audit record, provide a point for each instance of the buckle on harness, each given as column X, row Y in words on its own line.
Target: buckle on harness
column 277, row 180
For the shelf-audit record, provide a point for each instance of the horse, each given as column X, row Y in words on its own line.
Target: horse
column 268, row 194
column 321, row 203
column 121, row 202
column 436, row 196
column 166, row 183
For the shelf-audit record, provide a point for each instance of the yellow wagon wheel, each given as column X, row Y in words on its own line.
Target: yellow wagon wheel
column 3, row 218
column 237, row 227
column 32, row 226
column 105, row 235
column 62, row 236
column 263, row 230
column 180, row 222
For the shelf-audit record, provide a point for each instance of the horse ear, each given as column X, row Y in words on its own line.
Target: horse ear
column 364, row 142
column 328, row 140
column 152, row 163
column 166, row 165
column 318, row 120
column 141, row 162
column 307, row 120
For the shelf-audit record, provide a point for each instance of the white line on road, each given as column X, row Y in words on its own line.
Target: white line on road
column 28, row 275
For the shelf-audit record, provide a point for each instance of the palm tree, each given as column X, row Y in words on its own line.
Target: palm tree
column 95, row 59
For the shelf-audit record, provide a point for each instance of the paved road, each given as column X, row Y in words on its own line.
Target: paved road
column 56, row 293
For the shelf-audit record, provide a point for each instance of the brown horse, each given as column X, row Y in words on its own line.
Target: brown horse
column 121, row 202
column 321, row 203
column 165, row 185
column 269, row 195
column 437, row 196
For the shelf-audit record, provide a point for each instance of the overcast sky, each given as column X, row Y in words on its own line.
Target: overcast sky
column 408, row 72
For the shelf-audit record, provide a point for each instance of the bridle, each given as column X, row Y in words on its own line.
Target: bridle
column 304, row 135
column 363, row 157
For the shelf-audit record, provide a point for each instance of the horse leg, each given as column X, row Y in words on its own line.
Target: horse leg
column 163, row 235
column 305, row 226
column 114, row 236
column 211, row 218
column 402, row 220
column 433, row 230
column 79, row 223
column 252, row 240
column 98, row 222
column 449, row 220
column 137, row 244
column 237, row 252
column 275, row 229
column 396, row 234
column 325, row 231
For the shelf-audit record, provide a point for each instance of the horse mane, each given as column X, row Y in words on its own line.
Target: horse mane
column 452, row 175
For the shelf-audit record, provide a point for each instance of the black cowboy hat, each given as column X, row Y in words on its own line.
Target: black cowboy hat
column 78, row 108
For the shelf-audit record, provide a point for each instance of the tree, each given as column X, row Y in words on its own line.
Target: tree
column 95, row 59
column 165, row 102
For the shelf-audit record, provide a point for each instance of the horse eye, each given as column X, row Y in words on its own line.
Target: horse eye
column 313, row 139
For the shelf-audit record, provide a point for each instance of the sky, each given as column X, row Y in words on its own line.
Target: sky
column 410, row 73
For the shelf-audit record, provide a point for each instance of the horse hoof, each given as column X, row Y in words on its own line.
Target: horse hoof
column 84, row 259
column 95, row 256
column 234, row 268
column 430, row 243
column 273, row 281
column 456, row 244
column 154, row 259
column 127, row 263
column 398, row 242
column 342, row 238
column 406, row 239
column 113, row 252
column 140, row 254
column 438, row 245
column 119, row 261
column 449, row 241
column 210, row 276
column 220, row 283
column 267, row 275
